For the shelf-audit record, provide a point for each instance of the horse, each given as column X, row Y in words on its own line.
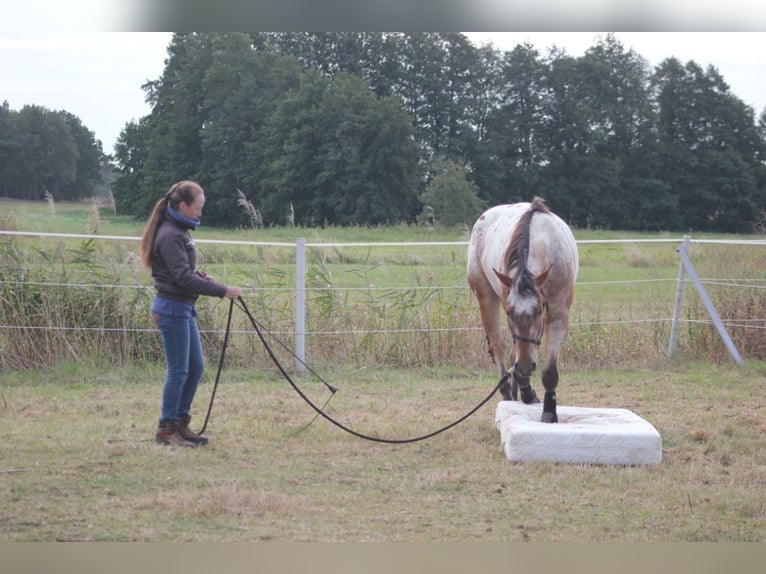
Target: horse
column 523, row 257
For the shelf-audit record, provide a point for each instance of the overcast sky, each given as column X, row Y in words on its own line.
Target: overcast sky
column 97, row 76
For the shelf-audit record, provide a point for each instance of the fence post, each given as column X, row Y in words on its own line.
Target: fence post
column 679, row 301
column 300, row 306
column 689, row 268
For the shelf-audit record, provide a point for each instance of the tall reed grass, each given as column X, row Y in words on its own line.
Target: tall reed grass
column 88, row 300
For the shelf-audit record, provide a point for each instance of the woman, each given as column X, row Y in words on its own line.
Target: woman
column 168, row 250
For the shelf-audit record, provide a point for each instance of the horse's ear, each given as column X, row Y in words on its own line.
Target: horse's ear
column 540, row 279
column 504, row 279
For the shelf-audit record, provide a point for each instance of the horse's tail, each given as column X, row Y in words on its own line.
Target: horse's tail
column 518, row 249
column 538, row 204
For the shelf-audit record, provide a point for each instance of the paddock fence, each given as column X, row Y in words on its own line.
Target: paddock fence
column 68, row 298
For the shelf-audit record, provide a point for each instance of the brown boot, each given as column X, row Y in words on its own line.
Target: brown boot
column 182, row 424
column 167, row 433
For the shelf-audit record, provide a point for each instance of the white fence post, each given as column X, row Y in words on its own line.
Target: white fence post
column 689, row 268
column 300, row 306
column 300, row 281
column 679, row 302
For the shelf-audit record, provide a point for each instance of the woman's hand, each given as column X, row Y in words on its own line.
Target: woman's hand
column 233, row 292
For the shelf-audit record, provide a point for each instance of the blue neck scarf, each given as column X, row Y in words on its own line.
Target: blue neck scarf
column 190, row 223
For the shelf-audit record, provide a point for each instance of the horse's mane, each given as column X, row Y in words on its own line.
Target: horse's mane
column 517, row 254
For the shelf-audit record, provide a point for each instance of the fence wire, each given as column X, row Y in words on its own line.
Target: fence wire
column 408, row 324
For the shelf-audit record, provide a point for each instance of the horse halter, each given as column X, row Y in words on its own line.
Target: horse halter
column 516, row 337
column 536, row 342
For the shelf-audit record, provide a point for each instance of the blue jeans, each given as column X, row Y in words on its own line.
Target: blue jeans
column 185, row 364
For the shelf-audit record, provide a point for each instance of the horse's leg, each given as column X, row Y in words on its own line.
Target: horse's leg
column 528, row 394
column 522, row 383
column 550, row 382
column 489, row 308
column 556, row 331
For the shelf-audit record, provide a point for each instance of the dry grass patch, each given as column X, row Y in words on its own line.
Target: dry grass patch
column 79, row 461
column 229, row 497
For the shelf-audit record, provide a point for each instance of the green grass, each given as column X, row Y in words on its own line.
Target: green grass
column 79, row 463
column 397, row 331
column 370, row 305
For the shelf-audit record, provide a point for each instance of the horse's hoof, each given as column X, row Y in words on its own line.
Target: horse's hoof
column 549, row 408
column 549, row 418
column 529, row 396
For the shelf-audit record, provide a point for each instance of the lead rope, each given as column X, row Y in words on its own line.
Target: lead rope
column 220, row 367
column 320, row 411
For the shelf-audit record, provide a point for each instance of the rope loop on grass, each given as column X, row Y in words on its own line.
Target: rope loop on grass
column 259, row 329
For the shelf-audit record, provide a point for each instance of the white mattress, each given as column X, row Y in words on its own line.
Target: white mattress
column 582, row 435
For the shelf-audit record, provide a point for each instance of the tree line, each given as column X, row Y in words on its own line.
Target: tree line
column 358, row 128
column 48, row 151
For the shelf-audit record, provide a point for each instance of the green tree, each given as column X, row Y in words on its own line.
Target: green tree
column 47, row 152
column 434, row 74
column 368, row 157
column 130, row 194
column 173, row 129
column 345, row 126
column 710, row 148
column 622, row 123
column 10, row 152
column 243, row 88
column 43, row 150
column 90, row 161
column 486, row 96
column 566, row 138
column 512, row 142
column 340, row 156
column 454, row 199
column 291, row 164
column 598, row 132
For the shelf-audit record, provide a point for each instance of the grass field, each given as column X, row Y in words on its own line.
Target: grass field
column 373, row 305
column 78, row 461
column 396, row 331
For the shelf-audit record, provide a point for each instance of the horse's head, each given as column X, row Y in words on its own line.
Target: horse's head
column 525, row 309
